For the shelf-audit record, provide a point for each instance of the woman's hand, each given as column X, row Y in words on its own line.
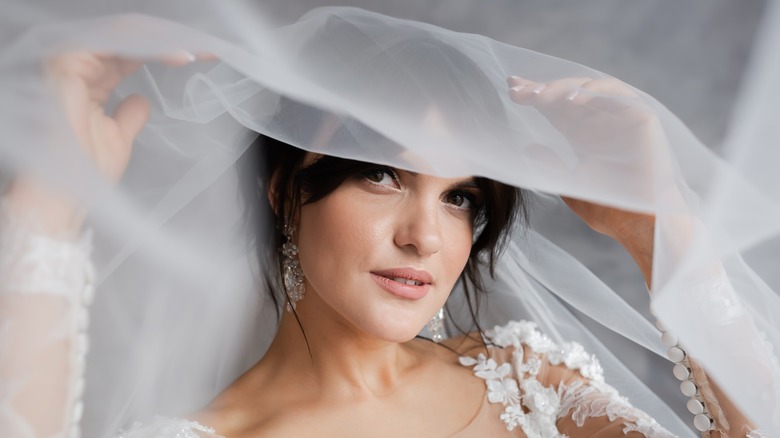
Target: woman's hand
column 634, row 231
column 82, row 82
column 605, row 119
column 626, row 227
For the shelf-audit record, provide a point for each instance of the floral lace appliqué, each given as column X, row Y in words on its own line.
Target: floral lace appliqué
column 536, row 408
column 169, row 428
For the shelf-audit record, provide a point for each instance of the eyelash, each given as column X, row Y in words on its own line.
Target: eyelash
column 470, row 197
column 381, row 170
column 472, row 200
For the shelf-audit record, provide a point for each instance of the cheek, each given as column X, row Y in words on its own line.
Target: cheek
column 337, row 237
column 457, row 244
column 349, row 233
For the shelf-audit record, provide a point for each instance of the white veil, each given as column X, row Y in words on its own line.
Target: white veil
column 179, row 314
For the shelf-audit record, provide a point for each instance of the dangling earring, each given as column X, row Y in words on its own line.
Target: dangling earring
column 292, row 274
column 436, row 326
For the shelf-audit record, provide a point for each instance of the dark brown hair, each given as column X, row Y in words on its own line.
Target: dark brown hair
column 282, row 165
column 407, row 71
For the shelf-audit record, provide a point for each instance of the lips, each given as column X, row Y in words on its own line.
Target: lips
column 406, row 283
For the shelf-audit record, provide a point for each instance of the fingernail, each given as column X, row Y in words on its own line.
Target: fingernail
column 189, row 56
column 515, row 77
column 573, row 94
column 517, row 87
column 539, row 88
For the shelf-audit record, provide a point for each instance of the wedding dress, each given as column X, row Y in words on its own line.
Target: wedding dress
column 515, row 398
column 352, row 83
column 520, row 372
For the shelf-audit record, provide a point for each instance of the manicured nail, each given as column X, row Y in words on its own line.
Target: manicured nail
column 517, row 87
column 515, row 77
column 189, row 56
column 573, row 94
column 539, row 88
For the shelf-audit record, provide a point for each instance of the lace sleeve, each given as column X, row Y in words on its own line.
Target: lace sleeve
column 561, row 390
column 45, row 287
column 169, row 428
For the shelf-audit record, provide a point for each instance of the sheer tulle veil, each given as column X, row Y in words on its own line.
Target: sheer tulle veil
column 179, row 313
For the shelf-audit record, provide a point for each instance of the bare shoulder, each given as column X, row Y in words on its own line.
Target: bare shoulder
column 240, row 410
column 523, row 344
column 468, row 344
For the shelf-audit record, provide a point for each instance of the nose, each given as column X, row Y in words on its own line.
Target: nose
column 419, row 227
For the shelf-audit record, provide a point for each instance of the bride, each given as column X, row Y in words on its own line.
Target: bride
column 358, row 256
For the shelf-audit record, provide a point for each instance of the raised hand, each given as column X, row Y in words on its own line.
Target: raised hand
column 611, row 130
column 82, row 83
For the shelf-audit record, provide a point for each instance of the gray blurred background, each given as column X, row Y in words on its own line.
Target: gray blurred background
column 688, row 54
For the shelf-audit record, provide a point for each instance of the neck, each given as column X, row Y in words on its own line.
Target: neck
column 341, row 360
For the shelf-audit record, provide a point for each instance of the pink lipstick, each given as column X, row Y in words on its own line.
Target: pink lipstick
column 406, row 283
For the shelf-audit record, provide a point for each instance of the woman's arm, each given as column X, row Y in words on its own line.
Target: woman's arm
column 591, row 113
column 45, row 272
column 635, row 232
column 45, row 287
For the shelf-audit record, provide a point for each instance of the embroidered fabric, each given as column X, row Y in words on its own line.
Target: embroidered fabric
column 163, row 427
column 46, row 285
column 719, row 301
column 537, row 406
column 33, row 263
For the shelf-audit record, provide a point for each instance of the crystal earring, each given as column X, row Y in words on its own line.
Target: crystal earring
column 436, row 326
column 292, row 274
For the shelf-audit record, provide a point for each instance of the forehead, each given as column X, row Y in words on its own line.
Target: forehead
column 436, row 131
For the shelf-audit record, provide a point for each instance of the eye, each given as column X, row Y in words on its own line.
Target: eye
column 382, row 176
column 462, row 200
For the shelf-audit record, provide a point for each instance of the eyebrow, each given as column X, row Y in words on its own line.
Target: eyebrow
column 469, row 182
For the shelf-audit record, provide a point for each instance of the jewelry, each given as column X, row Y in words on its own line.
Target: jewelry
column 292, row 274
column 436, row 326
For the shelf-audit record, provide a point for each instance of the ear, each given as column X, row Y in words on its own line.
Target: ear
column 273, row 193
column 280, row 199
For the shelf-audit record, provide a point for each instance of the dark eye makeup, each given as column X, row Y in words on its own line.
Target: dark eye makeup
column 463, row 195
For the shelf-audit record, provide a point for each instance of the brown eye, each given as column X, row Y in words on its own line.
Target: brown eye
column 461, row 200
column 381, row 176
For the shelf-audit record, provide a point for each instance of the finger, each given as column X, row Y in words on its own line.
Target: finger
column 131, row 116
column 571, row 89
column 609, row 87
column 206, row 57
column 186, row 57
column 113, row 71
column 527, row 92
column 127, row 66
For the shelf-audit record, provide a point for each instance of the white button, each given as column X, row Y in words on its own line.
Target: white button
column 78, row 389
column 82, row 344
column 89, row 275
column 695, row 406
column 83, row 319
column 702, row 423
column 78, row 366
column 669, row 339
column 688, row 388
column 88, row 294
column 78, row 410
column 675, row 354
column 681, row 371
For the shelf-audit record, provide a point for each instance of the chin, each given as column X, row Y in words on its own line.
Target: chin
column 392, row 329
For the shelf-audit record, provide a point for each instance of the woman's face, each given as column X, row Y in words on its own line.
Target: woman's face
column 383, row 251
